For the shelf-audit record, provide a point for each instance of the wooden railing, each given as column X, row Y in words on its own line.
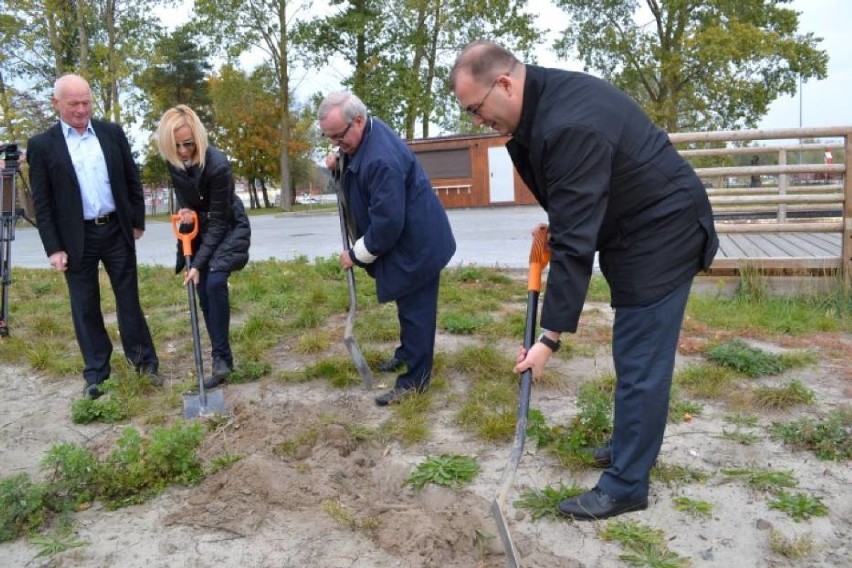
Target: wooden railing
column 788, row 187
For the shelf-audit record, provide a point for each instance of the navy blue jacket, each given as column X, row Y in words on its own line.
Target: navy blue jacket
column 610, row 181
column 394, row 208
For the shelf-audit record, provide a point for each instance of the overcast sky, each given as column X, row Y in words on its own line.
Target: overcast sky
column 826, row 102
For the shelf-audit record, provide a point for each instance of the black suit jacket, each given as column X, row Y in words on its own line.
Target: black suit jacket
column 610, row 181
column 56, row 191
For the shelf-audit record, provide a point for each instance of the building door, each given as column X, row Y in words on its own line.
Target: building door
column 501, row 175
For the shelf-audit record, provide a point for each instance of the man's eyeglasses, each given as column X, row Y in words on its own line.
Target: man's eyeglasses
column 341, row 136
column 188, row 145
column 473, row 110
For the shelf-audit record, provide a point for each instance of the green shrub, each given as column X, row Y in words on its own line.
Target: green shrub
column 22, row 506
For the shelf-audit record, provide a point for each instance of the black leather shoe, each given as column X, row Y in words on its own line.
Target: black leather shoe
column 391, row 365
column 214, row 382
column 395, row 395
column 595, row 504
column 93, row 391
column 602, row 457
column 221, row 368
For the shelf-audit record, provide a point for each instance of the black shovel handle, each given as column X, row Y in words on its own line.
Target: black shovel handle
column 186, row 247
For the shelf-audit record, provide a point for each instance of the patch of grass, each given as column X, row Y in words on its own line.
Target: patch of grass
column 491, row 400
column 221, row 462
column 828, row 439
column 681, row 410
column 799, row 506
column 675, row 475
column 292, row 446
column 544, row 503
column 755, row 314
column 249, row 371
column 780, row 398
column 704, row 380
column 591, row 426
column 763, row 479
column 698, row 509
column 598, row 290
column 737, row 355
column 645, row 545
column 742, row 420
column 411, row 419
column 793, row 548
column 377, row 324
column 339, row 371
column 740, row 437
column 447, row 470
column 461, row 323
column 52, row 544
column 313, row 342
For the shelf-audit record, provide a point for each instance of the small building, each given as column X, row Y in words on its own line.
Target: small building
column 471, row 170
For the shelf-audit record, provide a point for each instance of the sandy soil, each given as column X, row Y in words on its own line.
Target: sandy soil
column 269, row 510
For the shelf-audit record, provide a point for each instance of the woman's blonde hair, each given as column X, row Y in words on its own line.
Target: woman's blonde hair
column 174, row 118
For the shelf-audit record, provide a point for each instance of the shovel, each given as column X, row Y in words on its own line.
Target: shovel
column 201, row 404
column 539, row 257
column 348, row 335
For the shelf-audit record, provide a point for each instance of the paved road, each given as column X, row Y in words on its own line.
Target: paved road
column 486, row 237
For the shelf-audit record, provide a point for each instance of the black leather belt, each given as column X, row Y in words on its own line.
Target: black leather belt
column 102, row 220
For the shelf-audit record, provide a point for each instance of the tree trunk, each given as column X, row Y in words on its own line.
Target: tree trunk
column 83, row 38
column 286, row 195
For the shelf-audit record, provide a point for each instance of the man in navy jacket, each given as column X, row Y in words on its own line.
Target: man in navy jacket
column 401, row 231
column 611, row 182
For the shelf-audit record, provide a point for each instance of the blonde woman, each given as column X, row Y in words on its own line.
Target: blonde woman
column 203, row 183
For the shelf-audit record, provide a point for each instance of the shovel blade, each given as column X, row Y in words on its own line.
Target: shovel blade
column 194, row 406
column 512, row 560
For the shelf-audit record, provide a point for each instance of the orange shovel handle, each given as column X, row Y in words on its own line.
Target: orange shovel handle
column 185, row 238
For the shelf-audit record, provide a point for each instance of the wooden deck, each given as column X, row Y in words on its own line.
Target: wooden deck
column 778, row 253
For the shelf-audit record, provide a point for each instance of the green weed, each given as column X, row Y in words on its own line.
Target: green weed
column 645, row 545
column 675, row 475
column 23, row 506
column 763, row 479
column 447, row 470
column 799, row 506
column 742, row 420
column 693, row 507
column 828, row 439
column 544, row 503
column 50, row 545
column 740, row 437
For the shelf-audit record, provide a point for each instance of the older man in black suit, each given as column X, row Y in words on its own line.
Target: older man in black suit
column 90, row 209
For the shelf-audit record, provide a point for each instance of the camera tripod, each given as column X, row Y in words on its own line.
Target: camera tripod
column 9, row 214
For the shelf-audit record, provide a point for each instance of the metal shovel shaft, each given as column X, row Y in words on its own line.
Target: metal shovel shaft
column 508, row 478
column 348, row 333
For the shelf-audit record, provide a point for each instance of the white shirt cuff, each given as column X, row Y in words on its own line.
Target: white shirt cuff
column 361, row 252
